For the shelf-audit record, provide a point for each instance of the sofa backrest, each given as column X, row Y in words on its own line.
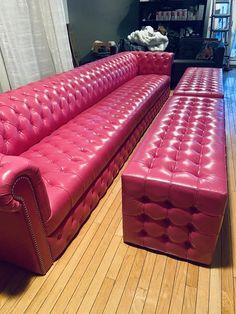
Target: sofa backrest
column 189, row 47
column 200, row 48
column 34, row 111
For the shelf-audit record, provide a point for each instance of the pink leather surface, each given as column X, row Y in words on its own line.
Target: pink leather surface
column 22, row 234
column 154, row 63
column 72, row 157
column 34, row 111
column 203, row 82
column 175, row 186
column 61, row 237
column 70, row 134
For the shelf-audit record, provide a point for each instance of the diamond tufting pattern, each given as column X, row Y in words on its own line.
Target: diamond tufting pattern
column 62, row 141
column 34, row 111
column 175, row 186
column 203, row 82
column 72, row 157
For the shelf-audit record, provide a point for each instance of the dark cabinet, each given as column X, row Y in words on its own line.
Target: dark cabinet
column 184, row 17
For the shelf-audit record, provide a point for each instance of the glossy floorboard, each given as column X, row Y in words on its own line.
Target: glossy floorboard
column 100, row 274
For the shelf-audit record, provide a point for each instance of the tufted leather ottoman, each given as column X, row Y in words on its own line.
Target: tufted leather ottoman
column 206, row 82
column 174, row 188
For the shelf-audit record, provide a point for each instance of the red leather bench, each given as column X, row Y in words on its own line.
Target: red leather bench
column 175, row 186
column 203, row 82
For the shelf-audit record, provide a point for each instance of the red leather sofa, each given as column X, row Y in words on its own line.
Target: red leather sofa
column 62, row 141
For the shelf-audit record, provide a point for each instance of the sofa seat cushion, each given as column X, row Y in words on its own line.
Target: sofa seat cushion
column 74, row 155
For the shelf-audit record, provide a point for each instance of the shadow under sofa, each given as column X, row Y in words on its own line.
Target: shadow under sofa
column 63, row 140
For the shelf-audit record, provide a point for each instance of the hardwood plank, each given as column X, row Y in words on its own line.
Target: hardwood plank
column 131, row 285
column 190, row 295
column 227, row 272
column 139, row 301
column 155, row 285
column 232, row 221
column 86, row 270
column 167, row 286
column 143, row 284
column 215, row 282
column 119, row 230
column 192, row 275
column 95, row 285
column 178, row 289
column 147, row 271
column 203, row 291
column 56, row 283
column 103, row 296
column 234, row 295
column 120, row 283
column 117, row 261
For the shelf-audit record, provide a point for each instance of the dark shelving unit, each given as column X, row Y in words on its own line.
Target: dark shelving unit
column 176, row 15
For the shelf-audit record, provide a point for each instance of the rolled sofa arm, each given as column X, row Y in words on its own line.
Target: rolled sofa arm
column 24, row 208
column 155, row 62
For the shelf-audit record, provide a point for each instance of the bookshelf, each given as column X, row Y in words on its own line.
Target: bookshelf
column 176, row 15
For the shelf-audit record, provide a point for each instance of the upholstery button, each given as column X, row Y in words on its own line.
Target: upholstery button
column 193, row 210
column 191, row 228
column 165, row 238
column 167, row 222
column 187, row 245
column 145, row 200
column 142, row 233
column 167, row 204
column 143, row 218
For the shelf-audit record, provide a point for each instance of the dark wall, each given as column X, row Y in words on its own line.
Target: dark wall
column 102, row 20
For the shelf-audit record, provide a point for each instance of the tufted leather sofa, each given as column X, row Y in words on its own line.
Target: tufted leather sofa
column 174, row 189
column 62, row 141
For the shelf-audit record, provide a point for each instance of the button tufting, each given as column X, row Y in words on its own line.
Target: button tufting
column 142, row 233
column 166, row 222
column 143, row 218
column 191, row 228
column 188, row 245
column 186, row 204
column 165, row 238
column 193, row 210
column 145, row 200
column 166, row 204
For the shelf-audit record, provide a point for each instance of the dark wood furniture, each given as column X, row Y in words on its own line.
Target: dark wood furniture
column 177, row 15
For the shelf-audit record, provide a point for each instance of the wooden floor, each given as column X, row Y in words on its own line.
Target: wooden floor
column 100, row 274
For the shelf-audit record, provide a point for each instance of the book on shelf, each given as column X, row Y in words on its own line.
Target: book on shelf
column 193, row 13
column 200, row 12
